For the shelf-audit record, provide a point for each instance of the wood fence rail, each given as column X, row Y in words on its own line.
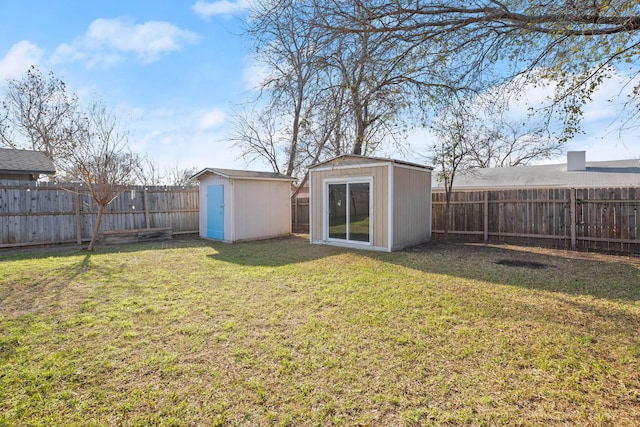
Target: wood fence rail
column 601, row 219
column 35, row 213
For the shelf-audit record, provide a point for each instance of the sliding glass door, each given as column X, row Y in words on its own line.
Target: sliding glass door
column 349, row 211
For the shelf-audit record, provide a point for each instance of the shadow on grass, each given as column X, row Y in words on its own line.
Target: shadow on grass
column 575, row 273
column 75, row 250
column 273, row 252
column 601, row 276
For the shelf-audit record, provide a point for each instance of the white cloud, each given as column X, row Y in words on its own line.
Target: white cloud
column 110, row 41
column 223, row 7
column 254, row 75
column 19, row 58
column 212, row 119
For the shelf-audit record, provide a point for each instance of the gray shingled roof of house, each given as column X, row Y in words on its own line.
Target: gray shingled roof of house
column 242, row 174
column 615, row 173
column 25, row 161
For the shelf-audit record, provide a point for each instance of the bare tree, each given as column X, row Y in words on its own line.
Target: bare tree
column 99, row 158
column 148, row 172
column 450, row 150
column 576, row 44
column 326, row 92
column 501, row 137
column 179, row 176
column 37, row 114
column 378, row 72
column 473, row 132
column 256, row 133
column 287, row 47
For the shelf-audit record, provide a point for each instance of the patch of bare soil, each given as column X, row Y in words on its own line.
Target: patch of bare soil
column 518, row 263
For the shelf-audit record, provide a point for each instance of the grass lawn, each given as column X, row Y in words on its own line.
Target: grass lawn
column 281, row 332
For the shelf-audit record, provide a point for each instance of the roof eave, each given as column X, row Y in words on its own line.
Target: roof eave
column 214, row 171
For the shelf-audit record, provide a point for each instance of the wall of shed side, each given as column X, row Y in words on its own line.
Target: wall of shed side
column 262, row 209
column 411, row 206
column 380, row 193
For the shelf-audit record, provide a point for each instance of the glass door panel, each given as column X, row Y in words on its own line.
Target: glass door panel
column 358, row 212
column 349, row 211
column 337, row 211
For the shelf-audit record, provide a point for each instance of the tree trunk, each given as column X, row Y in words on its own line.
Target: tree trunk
column 94, row 237
column 293, row 152
column 360, row 130
column 447, row 213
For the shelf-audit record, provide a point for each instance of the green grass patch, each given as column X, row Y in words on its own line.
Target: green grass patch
column 286, row 333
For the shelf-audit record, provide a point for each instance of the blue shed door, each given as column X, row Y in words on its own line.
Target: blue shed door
column 215, row 212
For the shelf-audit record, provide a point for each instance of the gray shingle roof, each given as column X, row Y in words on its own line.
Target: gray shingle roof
column 615, row 173
column 242, row 174
column 25, row 161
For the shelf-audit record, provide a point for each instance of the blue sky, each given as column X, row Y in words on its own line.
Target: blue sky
column 179, row 67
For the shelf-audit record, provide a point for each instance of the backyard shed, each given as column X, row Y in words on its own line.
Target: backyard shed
column 237, row 205
column 369, row 203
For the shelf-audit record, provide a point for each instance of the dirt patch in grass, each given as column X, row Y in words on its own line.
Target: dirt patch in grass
column 520, row 263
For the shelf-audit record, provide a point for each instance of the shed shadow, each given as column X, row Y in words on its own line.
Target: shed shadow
column 611, row 277
column 276, row 252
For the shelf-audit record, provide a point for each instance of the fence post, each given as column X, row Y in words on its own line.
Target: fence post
column 78, row 220
column 486, row 216
column 572, row 215
column 147, row 220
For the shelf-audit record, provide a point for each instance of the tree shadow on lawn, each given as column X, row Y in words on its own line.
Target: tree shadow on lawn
column 66, row 250
column 609, row 277
column 72, row 261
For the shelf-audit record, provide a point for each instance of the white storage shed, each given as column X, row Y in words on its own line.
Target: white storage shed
column 238, row 205
column 370, row 203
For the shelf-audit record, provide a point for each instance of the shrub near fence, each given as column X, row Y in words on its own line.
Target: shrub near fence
column 44, row 213
column 601, row 219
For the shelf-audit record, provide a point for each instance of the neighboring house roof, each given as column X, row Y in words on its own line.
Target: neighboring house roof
column 615, row 173
column 242, row 174
column 352, row 159
column 25, row 162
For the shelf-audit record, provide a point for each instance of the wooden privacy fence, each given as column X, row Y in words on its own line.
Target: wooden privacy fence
column 300, row 215
column 45, row 213
column 601, row 219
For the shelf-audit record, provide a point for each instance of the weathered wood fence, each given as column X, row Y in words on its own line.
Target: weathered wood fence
column 44, row 213
column 300, row 215
column 600, row 219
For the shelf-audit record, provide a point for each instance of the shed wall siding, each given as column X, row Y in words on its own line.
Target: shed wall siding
column 379, row 192
column 412, row 207
column 262, row 209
